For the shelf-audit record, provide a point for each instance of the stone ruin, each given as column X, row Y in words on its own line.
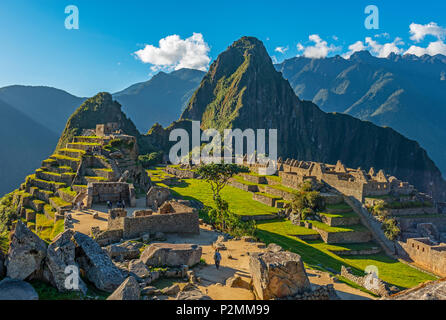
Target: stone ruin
column 174, row 217
column 351, row 182
column 101, row 192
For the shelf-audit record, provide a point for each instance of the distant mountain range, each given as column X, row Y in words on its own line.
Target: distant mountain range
column 406, row 93
column 25, row 143
column 161, row 99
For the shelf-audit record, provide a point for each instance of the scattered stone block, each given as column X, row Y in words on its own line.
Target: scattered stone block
column 139, row 269
column 168, row 254
column 128, row 290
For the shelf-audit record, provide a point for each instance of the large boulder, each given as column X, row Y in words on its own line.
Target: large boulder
column 98, row 266
column 124, row 251
column 168, row 254
column 138, row 269
column 26, row 254
column 13, row 289
column 278, row 274
column 128, row 290
column 60, row 255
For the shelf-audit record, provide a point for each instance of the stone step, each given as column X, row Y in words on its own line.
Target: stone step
column 59, row 169
column 100, row 172
column 41, row 194
column 83, row 146
column 64, row 161
column 66, row 177
column 46, row 185
column 84, row 139
column 339, row 221
column 72, row 153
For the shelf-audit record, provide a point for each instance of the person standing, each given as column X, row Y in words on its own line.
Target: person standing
column 217, row 258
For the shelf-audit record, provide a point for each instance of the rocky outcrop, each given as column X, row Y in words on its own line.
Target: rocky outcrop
column 13, row 289
column 60, row 255
column 128, row 290
column 97, row 265
column 168, row 254
column 278, row 275
column 26, row 254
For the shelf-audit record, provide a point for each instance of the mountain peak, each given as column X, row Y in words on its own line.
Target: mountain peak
column 361, row 55
column 243, row 77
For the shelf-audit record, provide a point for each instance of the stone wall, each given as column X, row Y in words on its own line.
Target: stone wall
column 408, row 223
column 264, row 199
column 373, row 284
column 339, row 221
column 101, row 192
column 181, row 173
column 426, row 254
column 345, row 237
column 411, row 211
column 254, row 179
column 250, row 188
column 133, row 227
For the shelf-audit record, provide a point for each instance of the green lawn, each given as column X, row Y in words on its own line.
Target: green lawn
column 317, row 255
column 240, row 201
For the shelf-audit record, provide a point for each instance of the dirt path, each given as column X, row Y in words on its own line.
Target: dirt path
column 83, row 220
column 236, row 261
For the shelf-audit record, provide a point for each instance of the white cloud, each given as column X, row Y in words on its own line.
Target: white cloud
column 320, row 49
column 382, row 35
column 355, row 47
column 176, row 53
column 282, row 50
column 383, row 50
column 437, row 47
column 420, row 31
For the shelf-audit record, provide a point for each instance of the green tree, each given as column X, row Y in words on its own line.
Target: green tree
column 218, row 175
column 151, row 159
column 306, row 201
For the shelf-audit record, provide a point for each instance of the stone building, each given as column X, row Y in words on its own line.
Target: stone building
column 427, row 254
column 351, row 182
column 101, row 192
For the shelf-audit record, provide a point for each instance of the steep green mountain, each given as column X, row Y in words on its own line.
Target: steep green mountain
column 161, row 99
column 47, row 106
column 99, row 109
column 25, row 143
column 243, row 90
column 406, row 93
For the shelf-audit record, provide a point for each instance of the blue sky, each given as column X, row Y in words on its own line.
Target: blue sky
column 37, row 49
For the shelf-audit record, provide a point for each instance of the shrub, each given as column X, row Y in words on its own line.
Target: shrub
column 152, row 159
column 7, row 212
column 391, row 229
